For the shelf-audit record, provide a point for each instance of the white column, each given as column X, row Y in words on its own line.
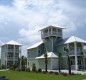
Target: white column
column 75, row 51
column 27, row 58
column 48, row 32
column 6, row 53
column 14, row 55
column 51, row 63
column 68, row 47
column 83, row 54
column 20, row 55
column 51, row 31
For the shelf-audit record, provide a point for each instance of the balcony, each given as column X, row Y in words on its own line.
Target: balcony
column 11, row 58
column 53, row 33
column 73, row 53
column 12, row 50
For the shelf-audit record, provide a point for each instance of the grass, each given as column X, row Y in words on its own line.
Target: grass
column 15, row 75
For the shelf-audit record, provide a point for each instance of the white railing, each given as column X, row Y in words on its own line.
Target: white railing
column 12, row 50
column 72, row 52
column 58, row 34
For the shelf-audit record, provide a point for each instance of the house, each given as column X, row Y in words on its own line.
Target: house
column 10, row 52
column 53, row 44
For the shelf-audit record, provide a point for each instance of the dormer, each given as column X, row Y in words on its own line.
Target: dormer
column 51, row 31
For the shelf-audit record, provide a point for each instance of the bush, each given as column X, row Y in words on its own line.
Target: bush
column 64, row 74
column 28, row 69
column 39, row 70
column 56, row 73
column 3, row 66
column 44, row 72
column 18, row 69
column 33, row 68
column 23, row 68
column 51, row 72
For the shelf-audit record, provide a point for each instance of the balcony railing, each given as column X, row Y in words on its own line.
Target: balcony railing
column 72, row 52
column 11, row 58
column 58, row 34
column 12, row 50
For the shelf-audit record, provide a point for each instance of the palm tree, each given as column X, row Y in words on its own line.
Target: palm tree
column 82, row 56
column 23, row 61
column 46, row 61
column 59, row 58
column 69, row 64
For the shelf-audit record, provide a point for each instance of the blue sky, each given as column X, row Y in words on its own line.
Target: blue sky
column 20, row 20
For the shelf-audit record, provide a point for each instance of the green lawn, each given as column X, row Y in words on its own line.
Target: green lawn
column 14, row 75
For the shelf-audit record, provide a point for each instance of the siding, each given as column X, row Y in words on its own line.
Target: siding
column 64, row 63
column 32, row 53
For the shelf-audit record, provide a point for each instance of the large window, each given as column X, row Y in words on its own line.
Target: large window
column 39, row 52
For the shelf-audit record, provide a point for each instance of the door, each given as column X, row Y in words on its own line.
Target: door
column 79, row 64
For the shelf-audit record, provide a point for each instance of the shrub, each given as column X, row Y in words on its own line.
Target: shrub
column 56, row 73
column 18, row 69
column 64, row 74
column 44, row 72
column 23, row 68
column 33, row 68
column 51, row 72
column 39, row 70
column 3, row 66
column 28, row 69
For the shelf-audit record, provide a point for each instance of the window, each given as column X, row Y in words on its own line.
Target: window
column 72, row 62
column 79, row 62
column 39, row 52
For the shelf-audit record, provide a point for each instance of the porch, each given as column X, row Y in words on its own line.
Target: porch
column 81, row 63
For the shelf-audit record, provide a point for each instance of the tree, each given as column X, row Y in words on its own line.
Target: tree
column 46, row 61
column 59, row 60
column 82, row 56
column 23, row 62
column 69, row 64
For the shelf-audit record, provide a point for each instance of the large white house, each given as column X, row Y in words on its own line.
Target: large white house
column 10, row 52
column 53, row 44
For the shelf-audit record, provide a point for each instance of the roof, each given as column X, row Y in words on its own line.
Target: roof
column 53, row 27
column 75, row 39
column 70, row 40
column 12, row 42
column 49, row 55
column 35, row 45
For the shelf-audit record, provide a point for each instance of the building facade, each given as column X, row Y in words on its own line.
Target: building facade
column 10, row 53
column 53, row 44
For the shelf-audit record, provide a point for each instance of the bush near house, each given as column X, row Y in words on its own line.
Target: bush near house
column 34, row 67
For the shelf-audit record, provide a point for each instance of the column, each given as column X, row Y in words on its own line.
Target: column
column 6, row 53
column 83, row 55
column 75, row 51
column 51, row 31
column 20, row 55
column 27, row 58
column 48, row 32
column 14, row 55
column 51, row 63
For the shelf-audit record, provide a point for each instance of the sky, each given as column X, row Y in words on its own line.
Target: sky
column 21, row 20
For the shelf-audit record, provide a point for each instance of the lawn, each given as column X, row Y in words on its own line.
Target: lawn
column 15, row 75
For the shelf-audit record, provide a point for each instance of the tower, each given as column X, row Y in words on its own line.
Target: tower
column 49, row 36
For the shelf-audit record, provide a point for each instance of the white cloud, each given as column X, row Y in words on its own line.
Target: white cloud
column 28, row 16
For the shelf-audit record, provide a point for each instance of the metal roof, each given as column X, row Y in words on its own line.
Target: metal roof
column 49, row 55
column 75, row 39
column 12, row 42
column 35, row 45
column 53, row 27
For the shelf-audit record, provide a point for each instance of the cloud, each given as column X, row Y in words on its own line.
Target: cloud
column 22, row 20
